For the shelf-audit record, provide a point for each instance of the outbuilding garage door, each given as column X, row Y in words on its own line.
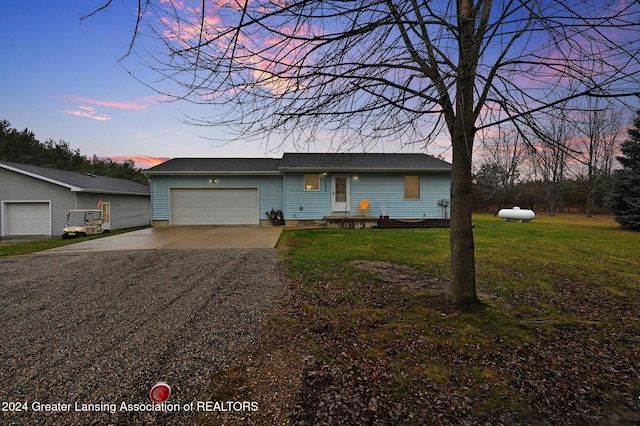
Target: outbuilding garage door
column 219, row 206
column 27, row 218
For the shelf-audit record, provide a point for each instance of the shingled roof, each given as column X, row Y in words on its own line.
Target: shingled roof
column 216, row 165
column 303, row 162
column 363, row 162
column 76, row 181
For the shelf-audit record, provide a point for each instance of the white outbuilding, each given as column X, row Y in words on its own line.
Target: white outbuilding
column 34, row 200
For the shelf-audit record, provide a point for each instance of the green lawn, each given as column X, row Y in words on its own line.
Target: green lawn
column 557, row 340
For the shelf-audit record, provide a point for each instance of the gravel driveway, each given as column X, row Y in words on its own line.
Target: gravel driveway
column 97, row 330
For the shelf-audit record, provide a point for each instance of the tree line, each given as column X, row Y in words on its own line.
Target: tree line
column 564, row 163
column 23, row 147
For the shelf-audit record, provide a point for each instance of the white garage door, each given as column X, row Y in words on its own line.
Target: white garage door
column 219, row 206
column 27, row 218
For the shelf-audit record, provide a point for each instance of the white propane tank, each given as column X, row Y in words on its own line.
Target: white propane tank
column 516, row 213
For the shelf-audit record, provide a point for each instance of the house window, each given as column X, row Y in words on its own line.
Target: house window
column 412, row 187
column 312, row 182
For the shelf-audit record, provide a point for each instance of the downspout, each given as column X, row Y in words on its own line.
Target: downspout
column 284, row 197
column 150, row 202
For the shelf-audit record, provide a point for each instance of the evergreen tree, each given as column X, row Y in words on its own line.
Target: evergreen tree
column 624, row 199
column 23, row 147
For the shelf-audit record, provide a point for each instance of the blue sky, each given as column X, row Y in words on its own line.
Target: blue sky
column 61, row 79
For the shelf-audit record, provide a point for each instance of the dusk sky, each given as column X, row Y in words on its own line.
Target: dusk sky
column 61, row 79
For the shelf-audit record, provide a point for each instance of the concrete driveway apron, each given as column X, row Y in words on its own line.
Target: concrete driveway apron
column 182, row 237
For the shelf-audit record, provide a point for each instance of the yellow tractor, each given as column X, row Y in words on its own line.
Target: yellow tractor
column 81, row 223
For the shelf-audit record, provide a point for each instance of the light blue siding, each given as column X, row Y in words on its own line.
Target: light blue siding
column 301, row 204
column 378, row 188
column 270, row 190
column 388, row 189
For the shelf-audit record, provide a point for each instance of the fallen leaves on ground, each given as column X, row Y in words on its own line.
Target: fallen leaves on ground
column 379, row 344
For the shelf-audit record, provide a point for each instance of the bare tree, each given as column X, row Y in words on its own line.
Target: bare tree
column 549, row 149
column 599, row 131
column 501, row 162
column 387, row 69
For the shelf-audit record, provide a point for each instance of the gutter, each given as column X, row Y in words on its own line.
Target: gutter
column 359, row 170
column 211, row 172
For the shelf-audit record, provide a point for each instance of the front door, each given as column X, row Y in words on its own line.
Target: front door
column 340, row 193
column 106, row 215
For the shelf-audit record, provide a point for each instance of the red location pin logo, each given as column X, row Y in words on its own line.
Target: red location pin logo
column 160, row 392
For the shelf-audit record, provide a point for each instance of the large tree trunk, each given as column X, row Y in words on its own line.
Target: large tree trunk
column 462, row 130
column 463, row 285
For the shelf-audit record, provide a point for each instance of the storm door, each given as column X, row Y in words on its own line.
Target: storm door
column 340, row 193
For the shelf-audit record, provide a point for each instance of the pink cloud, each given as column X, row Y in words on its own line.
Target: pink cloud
column 141, row 105
column 87, row 112
column 174, row 3
column 141, row 161
column 273, row 68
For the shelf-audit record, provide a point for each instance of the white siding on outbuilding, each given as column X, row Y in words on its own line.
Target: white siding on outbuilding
column 214, row 206
column 25, row 195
